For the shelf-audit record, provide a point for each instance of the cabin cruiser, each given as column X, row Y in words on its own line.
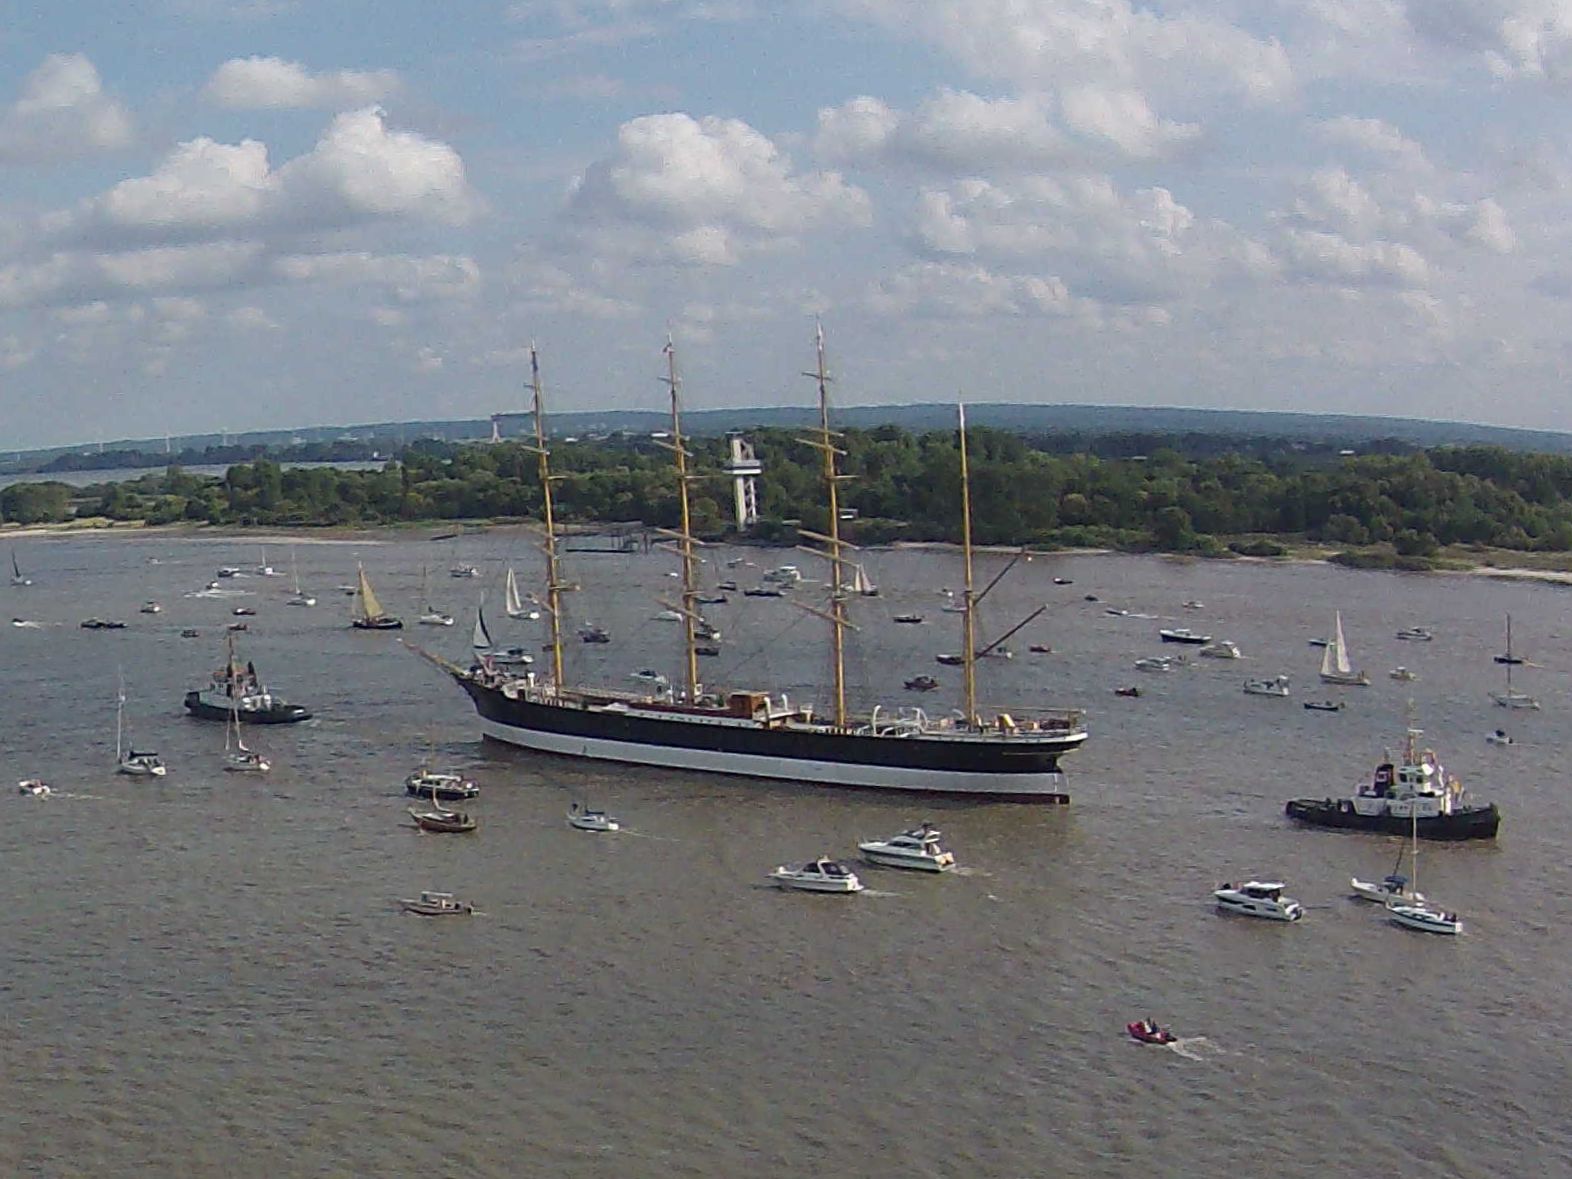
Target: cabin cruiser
column 1402, row 674
column 26, row 622
column 921, row 683
column 437, row 904
column 1276, row 686
column 1425, row 919
column 820, row 875
column 1155, row 663
column 785, row 575
column 1183, row 634
column 37, row 787
column 506, row 657
column 244, row 612
column 1412, row 793
column 918, row 848
column 584, row 819
column 432, row 784
column 1193, row 604
column 435, row 618
column 1389, row 890
column 229, row 571
column 1415, row 634
column 1257, row 898
column 1221, row 649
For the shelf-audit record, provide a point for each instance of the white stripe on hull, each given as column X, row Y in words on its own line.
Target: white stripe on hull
column 791, row 769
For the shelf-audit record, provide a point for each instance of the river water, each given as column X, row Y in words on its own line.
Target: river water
column 212, row 976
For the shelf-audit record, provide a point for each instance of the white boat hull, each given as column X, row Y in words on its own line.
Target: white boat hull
column 841, row 884
column 1369, row 890
column 916, row 863
column 1284, row 910
column 1423, row 919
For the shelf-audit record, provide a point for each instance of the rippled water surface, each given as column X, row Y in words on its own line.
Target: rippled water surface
column 212, row 976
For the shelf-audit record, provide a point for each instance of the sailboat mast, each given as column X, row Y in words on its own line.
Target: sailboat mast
column 554, row 585
column 832, row 480
column 120, row 713
column 690, row 587
column 968, row 619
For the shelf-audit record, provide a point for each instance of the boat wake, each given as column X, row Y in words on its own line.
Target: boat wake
column 963, row 870
column 1194, row 1048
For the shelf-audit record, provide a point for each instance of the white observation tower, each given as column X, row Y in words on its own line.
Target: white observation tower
column 744, row 469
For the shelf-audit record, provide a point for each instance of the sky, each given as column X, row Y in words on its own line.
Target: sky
column 249, row 214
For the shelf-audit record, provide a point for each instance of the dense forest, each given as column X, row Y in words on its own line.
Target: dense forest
column 1400, row 506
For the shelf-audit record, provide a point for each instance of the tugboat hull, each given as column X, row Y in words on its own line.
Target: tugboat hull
column 1478, row 822
column 277, row 714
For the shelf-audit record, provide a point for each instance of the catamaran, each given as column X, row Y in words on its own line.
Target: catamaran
column 1011, row 754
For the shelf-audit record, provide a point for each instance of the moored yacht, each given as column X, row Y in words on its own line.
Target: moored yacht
column 918, row 849
column 433, row 784
column 1257, row 898
column 1183, row 634
column 1425, row 919
column 585, row 819
column 1275, row 686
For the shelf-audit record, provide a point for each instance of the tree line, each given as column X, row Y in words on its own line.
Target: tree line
column 901, row 486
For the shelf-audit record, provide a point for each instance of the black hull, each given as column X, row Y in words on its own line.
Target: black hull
column 1478, row 822
column 280, row 714
column 1024, row 769
column 377, row 624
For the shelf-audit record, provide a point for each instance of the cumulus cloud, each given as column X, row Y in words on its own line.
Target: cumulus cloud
column 359, row 171
column 1374, row 137
column 63, row 111
column 701, row 192
column 271, row 83
column 957, row 130
column 1047, row 44
column 1329, row 257
column 1514, row 38
column 409, row 278
column 962, row 290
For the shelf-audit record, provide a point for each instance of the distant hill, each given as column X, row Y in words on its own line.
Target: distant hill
column 1345, row 430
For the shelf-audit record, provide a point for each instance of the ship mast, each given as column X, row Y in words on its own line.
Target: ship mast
column 554, row 585
column 690, row 587
column 825, row 445
column 968, row 619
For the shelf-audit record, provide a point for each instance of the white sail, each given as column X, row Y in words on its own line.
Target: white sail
column 511, row 602
column 860, row 583
column 481, row 639
column 1339, row 646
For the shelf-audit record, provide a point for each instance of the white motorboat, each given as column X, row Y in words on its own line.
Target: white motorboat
column 229, row 571
column 463, row 571
column 918, row 848
column 1415, row 634
column 1158, row 663
column 1389, row 890
column 1192, row 604
column 1335, row 666
column 1183, row 634
column 435, row 618
column 585, row 819
column 1426, row 919
column 1221, row 649
column 1258, row 898
column 667, row 616
column 437, row 904
column 151, row 608
column 1402, row 674
column 820, row 875
column 37, row 787
column 424, row 783
column 650, row 677
column 1276, row 686
column 1499, row 737
column 510, row 657
column 26, row 623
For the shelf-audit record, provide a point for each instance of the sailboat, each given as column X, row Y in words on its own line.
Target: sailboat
column 1335, row 668
column 431, row 616
column 480, row 638
column 1393, row 888
column 860, row 583
column 299, row 598
column 237, row 758
column 514, row 604
column 757, row 732
column 128, row 760
column 264, row 569
column 1416, row 914
column 1511, row 697
column 16, row 573
column 487, row 653
column 368, row 612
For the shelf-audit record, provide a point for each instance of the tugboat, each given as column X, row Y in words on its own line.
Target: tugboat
column 1415, row 792
column 235, row 689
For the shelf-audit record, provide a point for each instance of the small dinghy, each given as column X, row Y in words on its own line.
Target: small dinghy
column 1258, row 898
column 437, row 904
column 820, row 875
column 1147, row 1032
column 37, row 787
column 918, row 848
column 584, row 819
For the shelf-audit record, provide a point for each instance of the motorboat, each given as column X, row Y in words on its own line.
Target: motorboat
column 244, row 612
column 784, row 575
column 909, row 619
column 1193, row 604
column 37, row 787
column 435, row 618
column 666, row 616
column 1183, row 634
column 1116, row 611
column 1063, row 581
column 151, row 608
column 102, row 624
column 26, row 623
column 1277, row 685
column 711, row 599
column 463, row 571
column 439, row 820
column 1425, row 919
column 508, row 657
column 436, row 904
column 1221, row 649
column 1415, row 634
column 949, row 659
column 820, row 875
column 433, row 784
column 1259, row 898
column 921, row 683
column 191, row 632
column 707, row 649
column 1040, row 649
column 1413, row 789
column 1402, row 674
column 1158, row 663
column 727, row 586
column 1499, row 737
column 585, row 819
column 237, row 626
column 1324, row 705
column 1147, row 1032
column 996, row 652
column 590, row 633
column 1393, row 889
column 1132, row 691
column 651, row 678
column 229, row 571
column 762, row 591
column 918, row 849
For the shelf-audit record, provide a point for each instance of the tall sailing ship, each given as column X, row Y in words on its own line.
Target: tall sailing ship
column 749, row 731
